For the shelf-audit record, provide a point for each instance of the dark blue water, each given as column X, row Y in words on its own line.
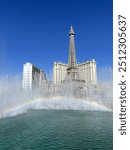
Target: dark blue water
column 57, row 130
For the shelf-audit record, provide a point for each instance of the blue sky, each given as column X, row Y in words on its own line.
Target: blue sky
column 37, row 32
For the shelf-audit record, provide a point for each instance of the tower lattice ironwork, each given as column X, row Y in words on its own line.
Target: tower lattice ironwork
column 72, row 72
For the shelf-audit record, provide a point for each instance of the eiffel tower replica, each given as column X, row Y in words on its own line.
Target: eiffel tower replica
column 72, row 72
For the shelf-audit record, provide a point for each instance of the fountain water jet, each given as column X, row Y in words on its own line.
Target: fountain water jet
column 14, row 100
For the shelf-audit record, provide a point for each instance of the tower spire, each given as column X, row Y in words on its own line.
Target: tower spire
column 71, row 31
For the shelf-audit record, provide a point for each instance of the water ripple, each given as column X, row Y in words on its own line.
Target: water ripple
column 57, row 130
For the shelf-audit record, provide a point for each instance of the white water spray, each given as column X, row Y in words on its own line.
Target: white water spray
column 14, row 100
